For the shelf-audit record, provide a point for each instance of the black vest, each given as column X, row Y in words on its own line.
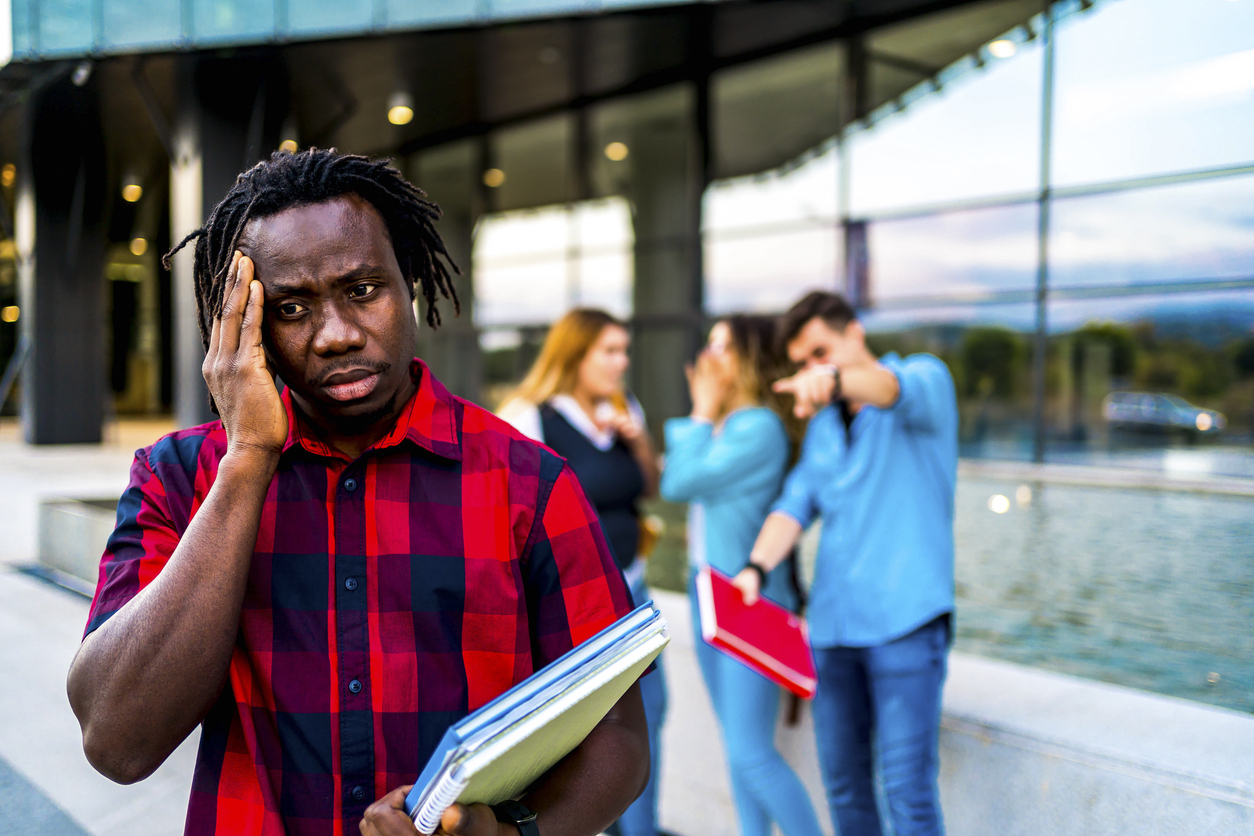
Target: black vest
column 611, row 479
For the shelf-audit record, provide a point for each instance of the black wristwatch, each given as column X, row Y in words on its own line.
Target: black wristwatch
column 517, row 814
column 761, row 570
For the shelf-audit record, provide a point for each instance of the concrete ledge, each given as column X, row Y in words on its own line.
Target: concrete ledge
column 73, row 534
column 1104, row 477
column 1023, row 751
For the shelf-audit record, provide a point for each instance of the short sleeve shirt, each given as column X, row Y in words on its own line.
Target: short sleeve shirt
column 387, row 598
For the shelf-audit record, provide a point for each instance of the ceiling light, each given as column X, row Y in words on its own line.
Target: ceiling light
column 288, row 145
column 139, row 246
column 10, row 313
column 132, row 192
column 493, row 178
column 616, row 151
column 1003, row 48
column 8, row 175
column 81, row 74
column 400, row 108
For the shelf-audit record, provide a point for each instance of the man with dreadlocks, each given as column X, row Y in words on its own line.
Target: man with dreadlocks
column 326, row 579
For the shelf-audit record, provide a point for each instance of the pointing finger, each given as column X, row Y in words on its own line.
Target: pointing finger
column 788, row 384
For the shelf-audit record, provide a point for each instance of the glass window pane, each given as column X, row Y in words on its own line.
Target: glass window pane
column 977, row 136
column 1159, row 381
column 531, row 266
column 534, row 158
column 804, row 196
column 1146, row 87
column 411, row 12
column 138, row 22
column 21, row 11
column 767, row 113
column 309, row 16
column 970, row 253
column 1197, row 230
column 525, row 292
column 230, row 19
column 988, row 349
column 64, row 25
column 767, row 272
column 541, row 232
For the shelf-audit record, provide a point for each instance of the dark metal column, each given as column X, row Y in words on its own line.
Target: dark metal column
column 60, row 236
column 229, row 116
column 451, row 176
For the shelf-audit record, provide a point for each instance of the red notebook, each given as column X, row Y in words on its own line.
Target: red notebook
column 766, row 637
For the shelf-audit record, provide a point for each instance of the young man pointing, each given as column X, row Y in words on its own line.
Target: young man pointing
column 327, row 579
column 878, row 466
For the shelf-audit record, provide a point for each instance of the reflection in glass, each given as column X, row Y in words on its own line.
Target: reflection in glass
column 329, row 15
column 768, row 272
column 766, row 113
column 976, row 137
column 64, row 25
column 1164, row 381
column 137, row 22
column 1197, row 230
column 988, row 349
column 531, row 266
column 230, row 19
column 1146, row 87
column 806, row 195
column 967, row 253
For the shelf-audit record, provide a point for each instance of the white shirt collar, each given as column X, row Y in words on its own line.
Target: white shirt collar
column 569, row 408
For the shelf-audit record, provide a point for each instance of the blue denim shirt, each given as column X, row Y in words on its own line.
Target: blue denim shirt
column 731, row 477
column 886, row 555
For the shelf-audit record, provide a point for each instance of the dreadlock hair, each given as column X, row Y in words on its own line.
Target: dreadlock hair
column 286, row 181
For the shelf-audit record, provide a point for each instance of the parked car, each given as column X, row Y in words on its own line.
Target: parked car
column 1165, row 413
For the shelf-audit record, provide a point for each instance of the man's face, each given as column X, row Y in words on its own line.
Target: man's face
column 339, row 318
column 818, row 344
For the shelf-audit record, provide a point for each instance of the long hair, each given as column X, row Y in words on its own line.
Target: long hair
column 557, row 368
column 754, row 339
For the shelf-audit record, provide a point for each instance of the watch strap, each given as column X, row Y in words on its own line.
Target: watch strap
column 517, row 814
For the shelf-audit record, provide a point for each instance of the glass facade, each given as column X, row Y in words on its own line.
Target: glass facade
column 58, row 28
column 1058, row 258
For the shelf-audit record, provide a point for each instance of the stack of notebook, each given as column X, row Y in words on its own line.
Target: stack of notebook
column 497, row 752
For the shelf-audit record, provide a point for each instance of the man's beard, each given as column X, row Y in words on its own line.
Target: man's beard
column 353, row 425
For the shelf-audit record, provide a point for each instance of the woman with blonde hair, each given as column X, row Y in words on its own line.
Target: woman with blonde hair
column 727, row 460
column 573, row 400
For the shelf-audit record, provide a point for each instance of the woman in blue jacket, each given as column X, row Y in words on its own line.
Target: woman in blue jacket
column 728, row 460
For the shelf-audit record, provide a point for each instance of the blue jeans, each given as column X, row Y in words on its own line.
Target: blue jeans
column 640, row 819
column 887, row 700
column 764, row 786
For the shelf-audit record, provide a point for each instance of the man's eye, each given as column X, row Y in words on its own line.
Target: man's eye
column 360, row 290
column 289, row 309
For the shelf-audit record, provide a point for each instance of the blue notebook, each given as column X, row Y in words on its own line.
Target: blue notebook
column 498, row 751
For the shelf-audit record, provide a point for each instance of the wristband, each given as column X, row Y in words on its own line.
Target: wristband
column 761, row 573
column 834, row 371
column 517, row 814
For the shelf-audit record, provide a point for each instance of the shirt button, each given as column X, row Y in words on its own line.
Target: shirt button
column 359, row 793
column 350, row 485
column 350, row 584
column 355, row 686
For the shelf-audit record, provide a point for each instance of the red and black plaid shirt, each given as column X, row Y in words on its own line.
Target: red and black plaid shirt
column 388, row 597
